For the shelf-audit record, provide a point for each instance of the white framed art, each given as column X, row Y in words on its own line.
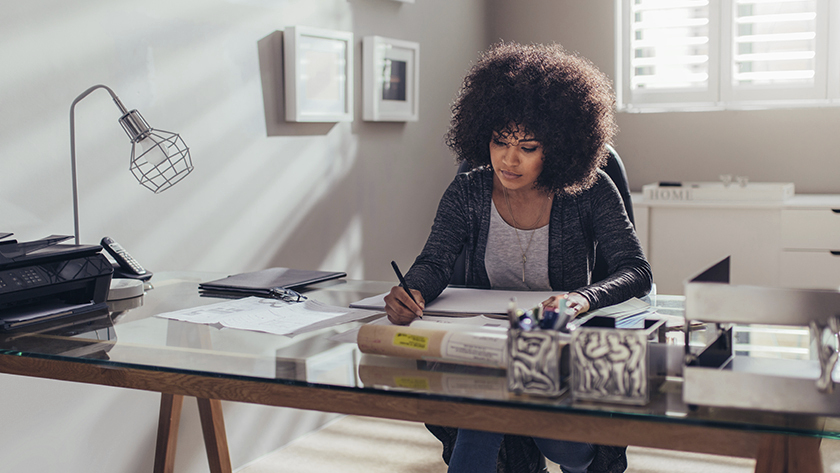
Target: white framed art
column 318, row 71
column 391, row 73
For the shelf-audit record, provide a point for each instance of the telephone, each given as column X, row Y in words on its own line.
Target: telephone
column 127, row 266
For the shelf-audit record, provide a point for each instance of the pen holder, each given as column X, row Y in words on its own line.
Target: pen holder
column 534, row 362
column 614, row 364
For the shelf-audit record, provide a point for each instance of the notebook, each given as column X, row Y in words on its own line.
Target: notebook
column 260, row 283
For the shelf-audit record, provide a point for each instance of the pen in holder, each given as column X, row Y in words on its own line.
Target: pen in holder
column 534, row 352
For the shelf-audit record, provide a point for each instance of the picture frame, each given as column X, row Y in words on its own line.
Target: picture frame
column 391, row 74
column 318, row 72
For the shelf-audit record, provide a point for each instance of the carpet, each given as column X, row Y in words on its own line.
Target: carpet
column 366, row 445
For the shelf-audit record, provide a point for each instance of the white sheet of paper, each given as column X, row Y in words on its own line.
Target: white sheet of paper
column 269, row 315
column 627, row 308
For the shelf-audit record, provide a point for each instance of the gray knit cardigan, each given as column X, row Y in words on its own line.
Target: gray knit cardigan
column 579, row 224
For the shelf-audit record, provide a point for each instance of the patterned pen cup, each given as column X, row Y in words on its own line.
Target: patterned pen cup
column 611, row 364
column 537, row 362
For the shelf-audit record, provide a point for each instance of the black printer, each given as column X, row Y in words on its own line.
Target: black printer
column 88, row 335
column 45, row 280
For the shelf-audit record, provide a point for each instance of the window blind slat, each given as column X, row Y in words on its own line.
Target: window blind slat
column 670, row 44
column 763, row 38
column 774, row 43
column 776, row 18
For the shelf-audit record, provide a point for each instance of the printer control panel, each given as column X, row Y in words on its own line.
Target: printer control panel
column 21, row 278
column 45, row 274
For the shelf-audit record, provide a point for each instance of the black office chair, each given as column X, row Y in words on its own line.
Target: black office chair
column 615, row 170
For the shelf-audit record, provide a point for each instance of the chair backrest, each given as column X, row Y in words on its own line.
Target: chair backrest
column 459, row 271
column 615, row 170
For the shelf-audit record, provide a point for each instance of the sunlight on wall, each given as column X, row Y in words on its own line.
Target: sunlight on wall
column 347, row 252
column 188, row 69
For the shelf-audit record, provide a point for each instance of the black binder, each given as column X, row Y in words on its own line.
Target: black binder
column 261, row 283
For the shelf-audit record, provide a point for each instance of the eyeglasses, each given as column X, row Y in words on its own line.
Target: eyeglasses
column 287, row 295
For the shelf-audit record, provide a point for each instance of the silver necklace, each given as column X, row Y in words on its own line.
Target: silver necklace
column 532, row 229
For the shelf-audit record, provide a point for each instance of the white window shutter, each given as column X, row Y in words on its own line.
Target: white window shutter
column 777, row 50
column 671, row 51
column 700, row 54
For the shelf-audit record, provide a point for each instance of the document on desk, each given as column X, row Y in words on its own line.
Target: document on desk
column 269, row 315
column 630, row 307
column 462, row 301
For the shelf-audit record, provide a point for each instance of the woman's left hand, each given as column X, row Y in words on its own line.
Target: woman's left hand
column 571, row 301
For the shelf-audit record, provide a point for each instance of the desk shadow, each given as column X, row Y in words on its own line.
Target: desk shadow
column 270, row 49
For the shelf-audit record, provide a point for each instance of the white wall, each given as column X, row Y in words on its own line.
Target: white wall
column 264, row 193
column 795, row 145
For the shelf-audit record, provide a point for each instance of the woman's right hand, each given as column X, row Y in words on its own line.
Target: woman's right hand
column 400, row 308
column 573, row 302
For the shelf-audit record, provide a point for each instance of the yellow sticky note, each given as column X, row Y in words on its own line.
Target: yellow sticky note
column 406, row 340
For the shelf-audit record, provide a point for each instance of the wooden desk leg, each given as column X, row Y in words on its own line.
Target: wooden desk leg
column 215, row 439
column 167, row 438
column 788, row 454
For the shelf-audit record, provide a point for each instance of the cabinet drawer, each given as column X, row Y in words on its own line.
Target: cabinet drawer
column 811, row 229
column 810, row 269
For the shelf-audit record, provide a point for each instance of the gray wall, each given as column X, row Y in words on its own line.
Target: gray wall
column 794, row 145
column 350, row 196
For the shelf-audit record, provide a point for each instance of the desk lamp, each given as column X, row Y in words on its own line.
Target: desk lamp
column 159, row 159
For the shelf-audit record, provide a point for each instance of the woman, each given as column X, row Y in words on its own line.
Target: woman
column 534, row 122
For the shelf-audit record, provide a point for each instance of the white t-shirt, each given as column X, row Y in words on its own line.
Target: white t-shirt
column 503, row 256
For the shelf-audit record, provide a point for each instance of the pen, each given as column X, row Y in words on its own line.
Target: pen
column 549, row 319
column 403, row 283
column 513, row 318
column 526, row 320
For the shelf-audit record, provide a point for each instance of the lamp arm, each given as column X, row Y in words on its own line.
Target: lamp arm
column 73, row 147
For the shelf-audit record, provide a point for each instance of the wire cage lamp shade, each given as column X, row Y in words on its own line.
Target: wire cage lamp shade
column 159, row 159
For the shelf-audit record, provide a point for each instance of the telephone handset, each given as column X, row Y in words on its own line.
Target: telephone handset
column 128, row 266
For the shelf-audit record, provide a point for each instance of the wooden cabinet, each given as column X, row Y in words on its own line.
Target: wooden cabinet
column 791, row 243
column 810, row 232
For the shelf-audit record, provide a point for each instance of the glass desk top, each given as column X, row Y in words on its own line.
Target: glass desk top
column 130, row 336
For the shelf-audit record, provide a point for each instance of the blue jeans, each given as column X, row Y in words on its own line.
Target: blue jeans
column 476, row 452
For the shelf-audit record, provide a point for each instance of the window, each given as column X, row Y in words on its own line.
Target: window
column 682, row 54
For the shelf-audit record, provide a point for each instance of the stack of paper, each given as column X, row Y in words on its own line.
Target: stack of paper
column 269, row 315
